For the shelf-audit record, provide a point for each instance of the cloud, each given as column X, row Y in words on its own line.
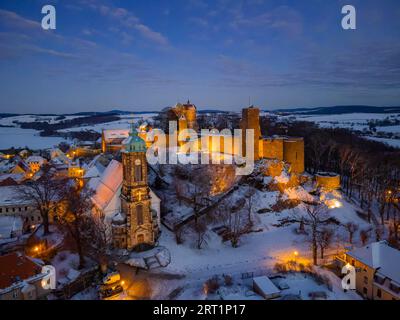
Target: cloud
column 281, row 18
column 15, row 21
column 128, row 20
column 368, row 66
column 147, row 33
column 199, row 21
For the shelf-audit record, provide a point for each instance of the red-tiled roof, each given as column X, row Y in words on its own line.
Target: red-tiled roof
column 15, row 266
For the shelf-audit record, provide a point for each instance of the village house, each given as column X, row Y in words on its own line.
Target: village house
column 21, row 278
column 35, row 163
column 12, row 205
column 377, row 270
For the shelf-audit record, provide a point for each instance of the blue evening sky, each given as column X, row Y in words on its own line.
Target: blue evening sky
column 145, row 55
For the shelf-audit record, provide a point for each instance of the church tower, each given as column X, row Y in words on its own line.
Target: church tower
column 140, row 227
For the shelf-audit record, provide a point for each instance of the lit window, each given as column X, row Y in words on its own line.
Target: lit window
column 139, row 214
column 138, row 171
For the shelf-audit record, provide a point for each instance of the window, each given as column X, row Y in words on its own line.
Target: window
column 26, row 208
column 138, row 171
column 1, row 210
column 19, row 209
column 394, row 287
column 139, row 214
column 15, row 294
column 365, row 280
column 365, row 291
column 6, row 209
column 379, row 293
column 140, row 238
column 13, row 209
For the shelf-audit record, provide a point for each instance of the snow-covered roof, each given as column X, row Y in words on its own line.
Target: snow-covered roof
column 108, row 185
column 38, row 159
column 8, row 225
column 9, row 196
column 154, row 197
column 379, row 255
column 266, row 285
column 96, row 170
column 17, row 177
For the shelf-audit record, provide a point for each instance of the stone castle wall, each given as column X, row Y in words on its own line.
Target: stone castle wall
column 327, row 181
column 293, row 153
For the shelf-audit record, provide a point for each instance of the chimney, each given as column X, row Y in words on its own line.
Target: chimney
column 375, row 247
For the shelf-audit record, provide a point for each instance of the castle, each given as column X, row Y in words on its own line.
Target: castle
column 283, row 148
column 184, row 114
column 136, row 225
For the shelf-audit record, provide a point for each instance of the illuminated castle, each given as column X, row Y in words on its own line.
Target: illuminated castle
column 183, row 114
column 288, row 149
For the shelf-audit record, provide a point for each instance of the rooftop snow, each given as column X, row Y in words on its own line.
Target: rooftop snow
column 379, row 255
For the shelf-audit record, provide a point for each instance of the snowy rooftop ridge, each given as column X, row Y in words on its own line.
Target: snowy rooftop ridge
column 379, row 255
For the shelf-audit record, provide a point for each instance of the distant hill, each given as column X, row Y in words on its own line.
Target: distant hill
column 84, row 113
column 339, row 110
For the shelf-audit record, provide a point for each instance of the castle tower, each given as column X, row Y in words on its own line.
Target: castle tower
column 182, row 123
column 251, row 120
column 136, row 214
column 190, row 112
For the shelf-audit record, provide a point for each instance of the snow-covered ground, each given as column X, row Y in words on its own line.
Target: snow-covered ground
column 21, row 138
column 14, row 136
column 258, row 253
column 391, row 142
column 123, row 123
column 356, row 122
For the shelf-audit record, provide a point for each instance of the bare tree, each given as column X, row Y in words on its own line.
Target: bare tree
column 324, row 239
column 351, row 228
column 76, row 219
column 234, row 219
column 315, row 218
column 364, row 236
column 44, row 194
column 395, row 221
column 95, row 239
column 179, row 231
column 200, row 229
column 249, row 205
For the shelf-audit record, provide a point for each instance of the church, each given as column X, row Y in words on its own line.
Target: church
column 125, row 201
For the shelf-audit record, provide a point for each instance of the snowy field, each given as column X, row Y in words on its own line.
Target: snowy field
column 391, row 142
column 257, row 254
column 17, row 137
column 356, row 121
column 21, row 138
column 124, row 123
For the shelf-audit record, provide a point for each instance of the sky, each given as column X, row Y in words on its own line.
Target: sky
column 222, row 54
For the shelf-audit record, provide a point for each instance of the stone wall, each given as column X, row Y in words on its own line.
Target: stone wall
column 293, row 153
column 328, row 181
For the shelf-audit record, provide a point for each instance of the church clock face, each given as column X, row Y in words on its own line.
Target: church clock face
column 137, row 162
